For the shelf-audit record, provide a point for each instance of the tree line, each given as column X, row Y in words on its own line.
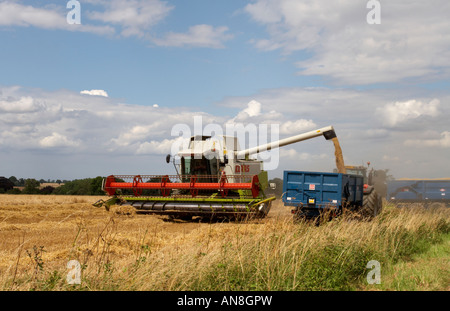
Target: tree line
column 86, row 186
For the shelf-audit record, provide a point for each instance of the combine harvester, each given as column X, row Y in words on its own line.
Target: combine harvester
column 214, row 179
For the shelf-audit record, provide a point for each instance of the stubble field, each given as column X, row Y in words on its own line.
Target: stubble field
column 119, row 250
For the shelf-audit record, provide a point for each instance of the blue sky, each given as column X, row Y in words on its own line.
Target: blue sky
column 307, row 64
column 142, row 73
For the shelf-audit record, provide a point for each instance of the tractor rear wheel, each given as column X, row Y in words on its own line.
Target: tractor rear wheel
column 372, row 204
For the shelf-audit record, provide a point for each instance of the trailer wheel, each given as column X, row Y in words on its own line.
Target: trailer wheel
column 372, row 205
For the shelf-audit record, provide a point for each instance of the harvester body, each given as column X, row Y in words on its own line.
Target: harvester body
column 215, row 178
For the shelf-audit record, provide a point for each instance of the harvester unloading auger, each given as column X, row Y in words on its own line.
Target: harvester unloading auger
column 214, row 179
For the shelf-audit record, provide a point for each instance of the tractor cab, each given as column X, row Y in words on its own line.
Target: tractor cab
column 361, row 171
column 357, row 170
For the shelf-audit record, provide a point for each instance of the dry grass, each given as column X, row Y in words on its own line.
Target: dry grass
column 142, row 252
column 69, row 227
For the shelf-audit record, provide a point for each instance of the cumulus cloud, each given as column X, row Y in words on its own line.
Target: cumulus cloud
column 163, row 147
column 253, row 109
column 90, row 126
column 363, row 127
column 57, row 140
column 22, row 105
column 397, row 113
column 205, row 36
column 133, row 17
column 95, row 93
column 136, row 133
column 16, row 14
column 124, row 18
column 443, row 141
column 297, row 127
column 345, row 48
column 37, row 119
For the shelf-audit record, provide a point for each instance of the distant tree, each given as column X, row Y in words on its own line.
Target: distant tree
column 31, row 186
column 5, row 184
column 87, row 186
column 14, row 180
column 58, row 181
column 96, row 186
column 47, row 190
column 14, row 191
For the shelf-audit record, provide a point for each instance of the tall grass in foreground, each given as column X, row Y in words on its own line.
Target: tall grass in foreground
column 275, row 255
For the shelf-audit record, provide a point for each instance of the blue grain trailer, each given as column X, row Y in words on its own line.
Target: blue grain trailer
column 311, row 193
column 426, row 191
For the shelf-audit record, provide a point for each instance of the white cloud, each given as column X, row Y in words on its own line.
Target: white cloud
column 297, row 127
column 15, row 14
column 135, row 134
column 359, row 121
column 95, row 93
column 411, row 41
column 158, row 147
column 36, row 119
column 57, row 140
column 205, row 36
column 292, row 154
column 253, row 109
column 134, row 17
column 443, row 141
column 22, row 105
column 129, row 18
column 105, row 134
column 400, row 112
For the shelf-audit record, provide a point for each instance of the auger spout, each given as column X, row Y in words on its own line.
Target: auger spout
column 327, row 132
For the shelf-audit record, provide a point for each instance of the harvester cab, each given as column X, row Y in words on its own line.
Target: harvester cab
column 215, row 178
column 211, row 157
